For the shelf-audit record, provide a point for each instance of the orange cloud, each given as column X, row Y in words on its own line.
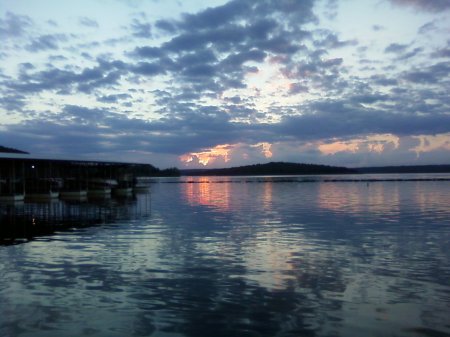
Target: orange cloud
column 225, row 152
column 265, row 149
column 372, row 143
column 432, row 143
column 336, row 147
column 208, row 156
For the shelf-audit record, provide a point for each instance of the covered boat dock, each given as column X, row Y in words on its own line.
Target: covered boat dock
column 22, row 176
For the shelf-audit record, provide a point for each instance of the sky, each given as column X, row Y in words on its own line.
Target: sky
column 227, row 83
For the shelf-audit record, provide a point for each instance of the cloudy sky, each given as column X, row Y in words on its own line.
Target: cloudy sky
column 224, row 83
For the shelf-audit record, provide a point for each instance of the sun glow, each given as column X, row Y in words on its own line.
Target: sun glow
column 224, row 153
column 209, row 155
column 269, row 89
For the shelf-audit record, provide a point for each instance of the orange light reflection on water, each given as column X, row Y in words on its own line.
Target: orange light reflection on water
column 203, row 191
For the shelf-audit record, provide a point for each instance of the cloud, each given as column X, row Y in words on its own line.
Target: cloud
column 105, row 74
column 401, row 51
column 12, row 102
column 427, row 28
column 378, row 27
column 88, row 22
column 426, row 5
column 429, row 75
column 14, row 25
column 141, row 29
column 147, row 52
column 442, row 52
column 330, row 40
column 115, row 98
column 46, row 42
column 148, row 69
column 334, row 119
column 209, row 51
column 383, row 80
column 396, row 48
column 166, row 26
column 246, row 72
column 215, row 17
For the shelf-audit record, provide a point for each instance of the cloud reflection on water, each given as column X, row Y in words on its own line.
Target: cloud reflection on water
column 244, row 258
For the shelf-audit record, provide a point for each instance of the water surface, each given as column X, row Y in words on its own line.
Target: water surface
column 242, row 256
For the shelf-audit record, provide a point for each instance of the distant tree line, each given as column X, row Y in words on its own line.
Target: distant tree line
column 272, row 168
column 4, row 149
column 149, row 170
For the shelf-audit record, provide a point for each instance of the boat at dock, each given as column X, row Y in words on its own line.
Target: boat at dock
column 141, row 184
column 123, row 188
column 100, row 188
column 42, row 189
column 42, row 196
column 38, row 179
column 73, row 189
column 11, row 190
column 12, row 198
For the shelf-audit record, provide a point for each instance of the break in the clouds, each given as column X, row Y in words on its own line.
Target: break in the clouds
column 228, row 82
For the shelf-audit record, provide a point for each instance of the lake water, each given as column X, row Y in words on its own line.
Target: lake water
column 241, row 256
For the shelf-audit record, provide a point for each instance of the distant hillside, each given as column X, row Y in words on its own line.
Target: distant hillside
column 406, row 169
column 272, row 168
column 4, row 149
